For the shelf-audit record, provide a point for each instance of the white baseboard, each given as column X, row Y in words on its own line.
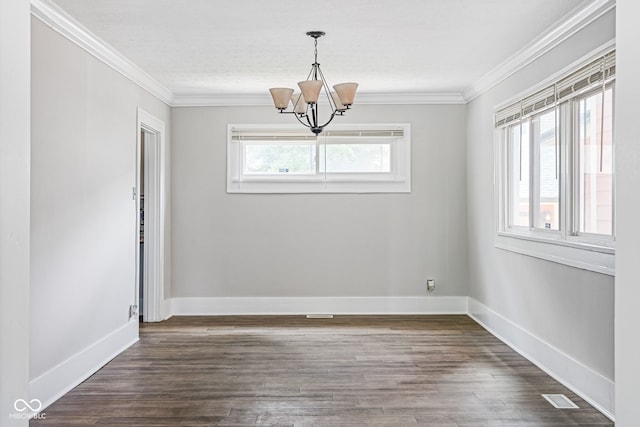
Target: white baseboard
column 60, row 379
column 586, row 383
column 315, row 305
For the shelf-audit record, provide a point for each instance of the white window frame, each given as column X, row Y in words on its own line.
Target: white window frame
column 593, row 252
column 398, row 180
column 534, row 187
column 574, row 235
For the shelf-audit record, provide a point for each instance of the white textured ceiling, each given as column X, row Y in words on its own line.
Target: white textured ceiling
column 247, row 46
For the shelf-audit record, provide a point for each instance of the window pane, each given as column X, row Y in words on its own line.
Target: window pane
column 547, row 211
column 595, row 164
column 280, row 159
column 356, row 158
column 518, row 197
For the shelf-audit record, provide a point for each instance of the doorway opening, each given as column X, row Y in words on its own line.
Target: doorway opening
column 141, row 275
column 150, row 213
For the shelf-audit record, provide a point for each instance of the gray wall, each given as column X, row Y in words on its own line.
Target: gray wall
column 14, row 207
column 82, row 215
column 628, row 204
column 570, row 309
column 247, row 245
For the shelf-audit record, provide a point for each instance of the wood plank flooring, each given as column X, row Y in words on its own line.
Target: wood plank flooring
column 293, row 371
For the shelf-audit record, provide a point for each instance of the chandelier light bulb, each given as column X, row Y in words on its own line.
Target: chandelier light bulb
column 346, row 92
column 310, row 90
column 281, row 97
column 339, row 105
column 299, row 104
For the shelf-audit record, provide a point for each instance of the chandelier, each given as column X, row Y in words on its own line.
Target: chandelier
column 304, row 105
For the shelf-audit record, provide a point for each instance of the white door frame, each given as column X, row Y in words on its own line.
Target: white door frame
column 153, row 310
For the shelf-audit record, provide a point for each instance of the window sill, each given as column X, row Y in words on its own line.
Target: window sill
column 333, row 186
column 586, row 257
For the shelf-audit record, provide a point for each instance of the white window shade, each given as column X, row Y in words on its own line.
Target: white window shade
column 273, row 133
column 596, row 73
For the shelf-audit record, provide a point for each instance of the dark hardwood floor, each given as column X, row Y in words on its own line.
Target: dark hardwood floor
column 289, row 370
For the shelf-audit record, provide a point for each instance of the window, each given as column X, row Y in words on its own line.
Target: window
column 344, row 158
column 291, row 158
column 535, row 196
column 555, row 165
column 594, row 163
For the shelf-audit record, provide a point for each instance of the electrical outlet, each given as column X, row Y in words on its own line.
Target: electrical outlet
column 431, row 285
column 133, row 311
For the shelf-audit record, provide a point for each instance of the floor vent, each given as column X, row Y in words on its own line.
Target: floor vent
column 319, row 316
column 560, row 401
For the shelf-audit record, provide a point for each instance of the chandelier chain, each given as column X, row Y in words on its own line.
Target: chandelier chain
column 315, row 50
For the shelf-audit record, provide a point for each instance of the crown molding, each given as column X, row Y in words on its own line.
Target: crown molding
column 596, row 53
column 539, row 46
column 220, row 99
column 243, row 100
column 51, row 15
column 410, row 98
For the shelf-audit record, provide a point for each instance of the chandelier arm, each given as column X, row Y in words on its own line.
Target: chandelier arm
column 301, row 122
column 332, row 103
column 310, row 72
column 327, row 122
column 314, row 115
column 296, row 104
column 313, row 125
